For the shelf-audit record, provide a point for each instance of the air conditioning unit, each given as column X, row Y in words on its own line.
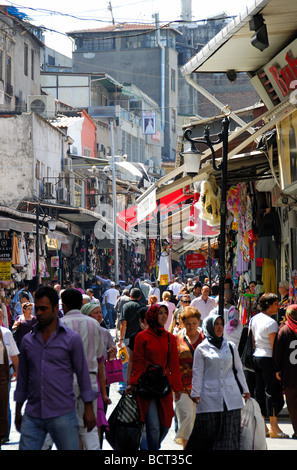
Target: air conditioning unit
column 49, row 191
column 62, row 195
column 45, row 105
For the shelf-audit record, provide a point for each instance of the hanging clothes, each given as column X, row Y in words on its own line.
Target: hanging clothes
column 15, row 250
column 269, row 276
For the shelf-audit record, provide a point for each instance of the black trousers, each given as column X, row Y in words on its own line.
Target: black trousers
column 268, row 391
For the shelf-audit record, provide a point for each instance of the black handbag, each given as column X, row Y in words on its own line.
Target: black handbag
column 154, row 383
column 247, row 352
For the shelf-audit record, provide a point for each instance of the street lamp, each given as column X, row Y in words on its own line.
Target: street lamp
column 222, row 137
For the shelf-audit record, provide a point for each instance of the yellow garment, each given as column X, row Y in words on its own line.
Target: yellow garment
column 269, row 276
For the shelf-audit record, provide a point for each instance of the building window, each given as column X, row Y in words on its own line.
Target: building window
column 94, row 44
column 172, row 79
column 173, row 120
column 26, row 51
column 32, row 64
column 9, row 88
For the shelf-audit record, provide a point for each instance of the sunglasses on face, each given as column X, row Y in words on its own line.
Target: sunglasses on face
column 186, row 301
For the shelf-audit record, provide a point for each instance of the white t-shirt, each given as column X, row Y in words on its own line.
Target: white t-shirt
column 111, row 295
column 262, row 327
column 204, row 307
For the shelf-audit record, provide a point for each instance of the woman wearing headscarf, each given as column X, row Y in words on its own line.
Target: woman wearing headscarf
column 93, row 310
column 216, row 392
column 151, row 347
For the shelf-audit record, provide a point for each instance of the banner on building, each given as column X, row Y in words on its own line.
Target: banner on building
column 148, row 123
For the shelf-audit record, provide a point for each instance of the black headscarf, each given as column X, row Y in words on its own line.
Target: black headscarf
column 208, row 330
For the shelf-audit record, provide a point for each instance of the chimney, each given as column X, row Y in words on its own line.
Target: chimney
column 186, row 10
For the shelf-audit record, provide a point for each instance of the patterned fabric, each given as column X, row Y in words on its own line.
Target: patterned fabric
column 185, row 357
column 215, row 431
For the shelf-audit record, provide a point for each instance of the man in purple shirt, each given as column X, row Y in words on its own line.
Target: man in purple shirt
column 49, row 356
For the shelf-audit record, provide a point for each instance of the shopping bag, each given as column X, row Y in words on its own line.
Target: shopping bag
column 252, row 429
column 114, row 371
column 125, row 427
column 123, row 354
column 248, row 351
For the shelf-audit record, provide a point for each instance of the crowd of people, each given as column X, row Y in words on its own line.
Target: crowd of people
column 60, row 373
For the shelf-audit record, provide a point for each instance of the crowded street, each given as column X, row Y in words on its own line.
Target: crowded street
column 168, row 445
column 148, row 228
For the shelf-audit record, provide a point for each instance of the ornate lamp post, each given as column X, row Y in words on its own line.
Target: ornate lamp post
column 222, row 137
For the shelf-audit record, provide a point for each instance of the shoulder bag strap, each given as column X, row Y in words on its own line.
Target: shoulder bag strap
column 234, row 370
column 189, row 344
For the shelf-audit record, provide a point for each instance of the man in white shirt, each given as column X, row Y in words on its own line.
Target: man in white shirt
column 204, row 303
column 176, row 286
column 111, row 296
column 89, row 331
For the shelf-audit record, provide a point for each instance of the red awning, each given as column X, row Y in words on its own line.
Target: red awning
column 127, row 219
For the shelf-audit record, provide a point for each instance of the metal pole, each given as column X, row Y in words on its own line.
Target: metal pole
column 223, row 213
column 114, row 196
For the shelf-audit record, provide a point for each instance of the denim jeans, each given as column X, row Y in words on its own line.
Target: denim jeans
column 155, row 432
column 63, row 430
column 110, row 315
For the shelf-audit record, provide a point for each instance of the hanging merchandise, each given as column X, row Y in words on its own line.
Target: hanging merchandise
column 209, row 202
column 196, row 226
column 15, row 250
column 165, row 270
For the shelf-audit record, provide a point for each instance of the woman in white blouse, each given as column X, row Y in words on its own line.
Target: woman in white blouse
column 268, row 391
column 216, row 391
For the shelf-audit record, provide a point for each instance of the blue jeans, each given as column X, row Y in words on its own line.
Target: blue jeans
column 62, row 429
column 110, row 315
column 155, row 432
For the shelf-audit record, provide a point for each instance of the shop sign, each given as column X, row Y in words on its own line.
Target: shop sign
column 5, row 249
column 147, row 205
column 278, row 78
column 195, row 261
column 5, row 270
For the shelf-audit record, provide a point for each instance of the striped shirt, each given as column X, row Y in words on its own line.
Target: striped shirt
column 89, row 331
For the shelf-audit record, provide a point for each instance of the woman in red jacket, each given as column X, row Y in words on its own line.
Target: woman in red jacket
column 151, row 347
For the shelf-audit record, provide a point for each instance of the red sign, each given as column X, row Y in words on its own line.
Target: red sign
column 195, row 260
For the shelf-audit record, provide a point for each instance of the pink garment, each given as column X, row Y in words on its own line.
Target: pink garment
column 171, row 307
column 101, row 417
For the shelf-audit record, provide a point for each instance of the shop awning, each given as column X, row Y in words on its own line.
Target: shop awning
column 231, row 48
column 171, row 202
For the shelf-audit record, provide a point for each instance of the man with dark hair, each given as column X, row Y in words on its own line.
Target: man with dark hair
column 49, row 357
column 129, row 324
column 89, row 330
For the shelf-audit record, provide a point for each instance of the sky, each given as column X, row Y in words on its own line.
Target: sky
column 69, row 15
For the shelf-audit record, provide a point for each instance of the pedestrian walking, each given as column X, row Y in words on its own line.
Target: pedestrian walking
column 13, row 360
column 129, row 324
column 156, row 346
column 216, row 391
column 110, row 297
column 285, row 364
column 187, row 341
column 49, row 357
column 89, row 330
column 268, row 392
column 93, row 310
